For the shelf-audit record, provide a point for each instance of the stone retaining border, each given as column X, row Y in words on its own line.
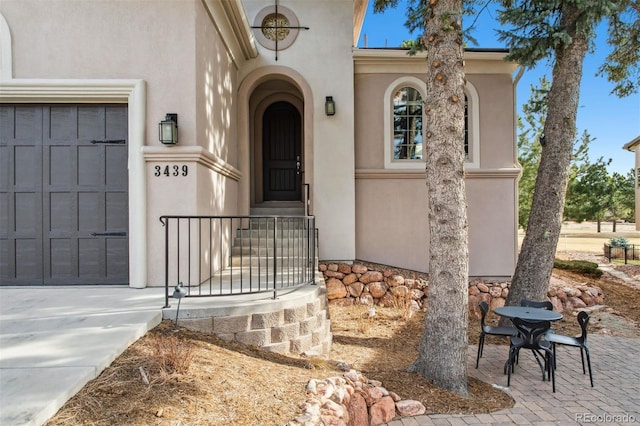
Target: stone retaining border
column 348, row 284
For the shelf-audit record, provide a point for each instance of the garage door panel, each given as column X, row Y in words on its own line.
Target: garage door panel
column 91, row 212
column 27, row 124
column 62, row 171
column 91, row 167
column 116, row 201
column 4, row 167
column 117, row 259
column 62, row 218
column 90, row 123
column 28, row 167
column 27, row 217
column 4, row 214
column 116, row 120
column 28, row 259
column 62, row 257
column 6, row 123
column 62, row 124
column 91, row 257
column 116, row 167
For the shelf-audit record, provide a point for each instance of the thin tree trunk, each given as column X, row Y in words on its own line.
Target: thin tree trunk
column 535, row 262
column 442, row 356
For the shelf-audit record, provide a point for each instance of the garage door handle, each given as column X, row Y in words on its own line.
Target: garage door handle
column 109, row 234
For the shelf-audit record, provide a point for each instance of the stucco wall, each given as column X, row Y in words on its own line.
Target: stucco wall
column 495, row 94
column 391, row 205
column 101, row 39
column 329, row 141
column 392, row 227
column 175, row 49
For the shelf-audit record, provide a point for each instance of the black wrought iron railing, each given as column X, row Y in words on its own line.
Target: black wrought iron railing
column 215, row 256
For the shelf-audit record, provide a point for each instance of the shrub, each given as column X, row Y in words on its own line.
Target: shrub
column 580, row 266
column 619, row 242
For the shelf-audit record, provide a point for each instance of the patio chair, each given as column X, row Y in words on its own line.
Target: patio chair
column 545, row 304
column 531, row 335
column 491, row 330
column 535, row 304
column 579, row 342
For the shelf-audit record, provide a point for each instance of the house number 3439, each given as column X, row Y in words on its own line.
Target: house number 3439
column 173, row 170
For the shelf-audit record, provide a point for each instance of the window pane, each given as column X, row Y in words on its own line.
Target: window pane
column 407, row 124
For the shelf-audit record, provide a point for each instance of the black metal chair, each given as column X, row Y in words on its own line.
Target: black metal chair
column 531, row 335
column 579, row 342
column 535, row 304
column 541, row 305
column 491, row 330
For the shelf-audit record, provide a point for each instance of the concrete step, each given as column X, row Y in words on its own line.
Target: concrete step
column 285, row 232
column 292, row 208
column 267, row 261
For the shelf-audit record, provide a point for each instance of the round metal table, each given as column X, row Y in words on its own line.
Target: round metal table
column 527, row 313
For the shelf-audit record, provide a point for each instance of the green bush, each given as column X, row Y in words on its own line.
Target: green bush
column 580, row 266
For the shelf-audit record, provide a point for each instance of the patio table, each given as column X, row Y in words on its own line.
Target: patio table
column 529, row 314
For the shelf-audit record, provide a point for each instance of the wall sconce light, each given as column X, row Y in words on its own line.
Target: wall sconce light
column 169, row 129
column 329, row 106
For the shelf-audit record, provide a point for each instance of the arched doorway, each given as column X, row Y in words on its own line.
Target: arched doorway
column 282, row 152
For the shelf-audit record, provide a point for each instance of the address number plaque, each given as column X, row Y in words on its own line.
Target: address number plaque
column 171, row 170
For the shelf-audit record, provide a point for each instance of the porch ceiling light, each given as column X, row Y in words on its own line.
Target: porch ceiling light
column 169, row 129
column 329, row 106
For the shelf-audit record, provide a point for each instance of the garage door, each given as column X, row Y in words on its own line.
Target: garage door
column 63, row 194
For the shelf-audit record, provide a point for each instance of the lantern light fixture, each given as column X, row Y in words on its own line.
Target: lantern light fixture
column 169, row 129
column 329, row 106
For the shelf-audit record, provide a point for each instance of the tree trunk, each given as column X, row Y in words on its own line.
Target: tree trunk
column 442, row 356
column 614, row 225
column 535, row 262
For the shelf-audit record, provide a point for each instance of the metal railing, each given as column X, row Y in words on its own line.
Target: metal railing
column 215, row 256
column 628, row 253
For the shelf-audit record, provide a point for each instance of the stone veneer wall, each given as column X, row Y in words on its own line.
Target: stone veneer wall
column 304, row 328
column 348, row 284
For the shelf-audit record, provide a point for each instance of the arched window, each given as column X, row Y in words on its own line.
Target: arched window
column 407, row 124
column 404, row 125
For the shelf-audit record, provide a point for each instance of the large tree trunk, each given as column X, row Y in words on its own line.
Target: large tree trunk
column 535, row 262
column 442, row 356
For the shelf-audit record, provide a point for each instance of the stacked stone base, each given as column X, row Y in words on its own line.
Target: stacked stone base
column 302, row 328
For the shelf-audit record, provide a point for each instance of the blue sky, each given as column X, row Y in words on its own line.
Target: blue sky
column 610, row 120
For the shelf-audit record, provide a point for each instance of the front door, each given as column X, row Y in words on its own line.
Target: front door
column 282, row 153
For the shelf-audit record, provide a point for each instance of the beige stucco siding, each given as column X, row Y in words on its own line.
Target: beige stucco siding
column 104, row 39
column 369, row 127
column 392, row 225
column 391, row 203
column 321, row 61
column 497, row 118
column 176, row 49
column 496, row 114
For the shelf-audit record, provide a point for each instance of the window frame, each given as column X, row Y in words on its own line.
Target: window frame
column 473, row 160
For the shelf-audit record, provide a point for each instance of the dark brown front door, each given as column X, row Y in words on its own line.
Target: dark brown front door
column 282, row 157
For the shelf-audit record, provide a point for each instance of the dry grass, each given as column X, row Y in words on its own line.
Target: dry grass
column 199, row 379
